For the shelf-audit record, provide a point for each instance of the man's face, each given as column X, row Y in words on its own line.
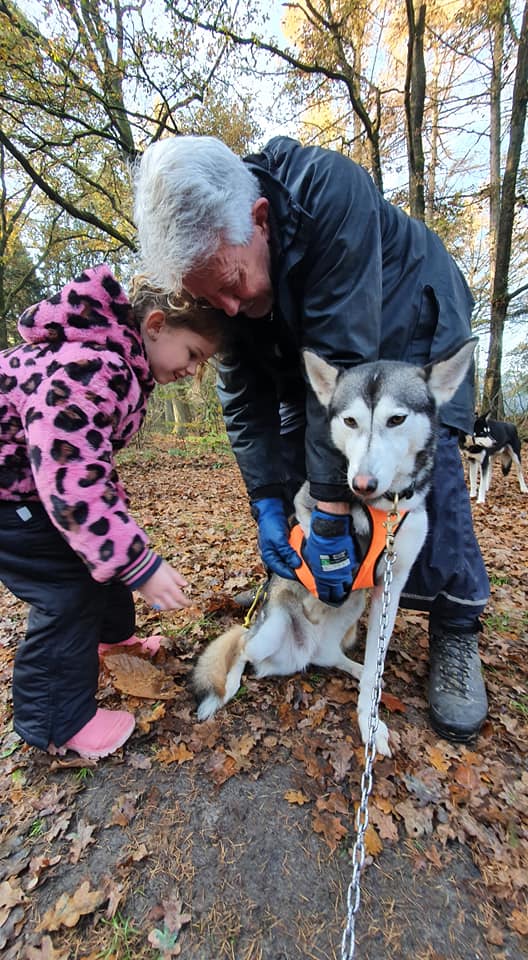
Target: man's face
column 237, row 279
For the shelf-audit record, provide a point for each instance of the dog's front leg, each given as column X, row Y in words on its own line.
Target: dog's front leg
column 368, row 676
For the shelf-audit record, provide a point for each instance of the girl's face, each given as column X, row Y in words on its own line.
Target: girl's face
column 173, row 352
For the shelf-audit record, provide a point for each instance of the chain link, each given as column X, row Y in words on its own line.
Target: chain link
column 348, row 943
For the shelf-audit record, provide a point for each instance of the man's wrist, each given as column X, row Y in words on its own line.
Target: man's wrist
column 339, row 508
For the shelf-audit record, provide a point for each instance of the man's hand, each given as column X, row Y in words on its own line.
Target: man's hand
column 330, row 553
column 162, row 590
column 273, row 534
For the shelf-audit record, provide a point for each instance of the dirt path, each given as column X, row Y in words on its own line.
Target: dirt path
column 232, row 839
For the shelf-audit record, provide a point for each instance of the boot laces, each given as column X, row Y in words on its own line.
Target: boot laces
column 455, row 655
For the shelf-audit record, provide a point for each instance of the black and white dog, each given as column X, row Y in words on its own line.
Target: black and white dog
column 491, row 438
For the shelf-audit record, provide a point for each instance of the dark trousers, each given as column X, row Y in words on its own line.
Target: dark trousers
column 448, row 579
column 56, row 665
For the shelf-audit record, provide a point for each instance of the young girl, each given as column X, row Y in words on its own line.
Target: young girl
column 70, row 396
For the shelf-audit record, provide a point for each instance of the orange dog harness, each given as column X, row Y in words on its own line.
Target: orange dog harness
column 364, row 576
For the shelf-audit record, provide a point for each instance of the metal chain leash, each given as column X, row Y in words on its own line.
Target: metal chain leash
column 348, row 943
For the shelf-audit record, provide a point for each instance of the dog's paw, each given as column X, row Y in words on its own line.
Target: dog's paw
column 381, row 738
column 208, row 707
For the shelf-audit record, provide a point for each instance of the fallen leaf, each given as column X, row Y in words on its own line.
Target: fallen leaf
column 296, row 796
column 467, row 776
column 392, row 703
column 68, row 910
column 518, row 920
column 11, row 894
column 46, row 951
column 81, row 839
column 438, row 759
column 373, row 844
column 123, row 810
column 334, row 802
column 140, row 678
column 330, row 827
column 36, row 866
column 174, row 753
column 417, row 821
column 221, row 767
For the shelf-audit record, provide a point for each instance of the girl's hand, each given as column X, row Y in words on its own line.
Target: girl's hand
column 162, row 590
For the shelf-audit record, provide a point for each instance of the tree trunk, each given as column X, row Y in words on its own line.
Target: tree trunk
column 493, row 398
column 414, row 107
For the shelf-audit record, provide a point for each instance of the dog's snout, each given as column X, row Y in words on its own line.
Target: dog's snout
column 364, row 483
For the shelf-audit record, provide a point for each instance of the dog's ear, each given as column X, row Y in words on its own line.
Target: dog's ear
column 321, row 375
column 445, row 376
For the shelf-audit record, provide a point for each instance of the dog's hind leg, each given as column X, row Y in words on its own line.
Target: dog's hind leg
column 267, row 640
column 522, row 483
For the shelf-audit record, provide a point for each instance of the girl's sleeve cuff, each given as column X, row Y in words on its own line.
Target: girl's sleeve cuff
column 141, row 570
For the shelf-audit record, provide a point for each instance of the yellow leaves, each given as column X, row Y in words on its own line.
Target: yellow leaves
column 68, row 910
column 438, row 759
column 296, row 796
column 373, row 844
column 174, row 753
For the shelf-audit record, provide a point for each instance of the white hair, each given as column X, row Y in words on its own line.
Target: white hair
column 191, row 195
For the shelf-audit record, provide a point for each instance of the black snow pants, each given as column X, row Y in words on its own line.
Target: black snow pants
column 56, row 664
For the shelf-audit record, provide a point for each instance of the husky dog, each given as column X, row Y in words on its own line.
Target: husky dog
column 382, row 419
column 492, row 438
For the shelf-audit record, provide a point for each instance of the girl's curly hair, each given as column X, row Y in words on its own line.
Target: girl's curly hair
column 179, row 310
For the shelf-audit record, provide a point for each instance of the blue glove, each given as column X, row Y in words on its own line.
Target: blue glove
column 273, row 533
column 331, row 555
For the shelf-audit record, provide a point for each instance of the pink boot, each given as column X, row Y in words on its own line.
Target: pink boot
column 149, row 645
column 102, row 735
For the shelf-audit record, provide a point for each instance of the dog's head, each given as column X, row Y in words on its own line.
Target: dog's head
column 482, row 434
column 383, row 417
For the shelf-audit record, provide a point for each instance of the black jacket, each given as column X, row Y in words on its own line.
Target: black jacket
column 354, row 279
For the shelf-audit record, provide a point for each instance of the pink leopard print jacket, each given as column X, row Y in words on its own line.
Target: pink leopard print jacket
column 70, row 396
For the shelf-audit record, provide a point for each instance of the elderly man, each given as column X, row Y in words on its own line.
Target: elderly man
column 299, row 245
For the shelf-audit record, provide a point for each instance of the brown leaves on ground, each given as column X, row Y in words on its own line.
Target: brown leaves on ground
column 69, row 909
column 430, row 793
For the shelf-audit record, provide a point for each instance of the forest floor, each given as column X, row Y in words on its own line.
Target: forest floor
column 232, row 838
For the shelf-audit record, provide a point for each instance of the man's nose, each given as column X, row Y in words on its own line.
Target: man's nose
column 228, row 303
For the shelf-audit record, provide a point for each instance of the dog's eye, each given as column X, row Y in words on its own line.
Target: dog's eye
column 350, row 422
column 396, row 420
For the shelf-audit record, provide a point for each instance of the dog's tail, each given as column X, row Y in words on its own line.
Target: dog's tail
column 217, row 674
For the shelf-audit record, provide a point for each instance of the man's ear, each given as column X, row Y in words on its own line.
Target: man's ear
column 153, row 322
column 260, row 213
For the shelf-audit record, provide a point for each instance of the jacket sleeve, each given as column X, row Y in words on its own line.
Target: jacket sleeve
column 340, row 288
column 71, row 455
column 248, row 394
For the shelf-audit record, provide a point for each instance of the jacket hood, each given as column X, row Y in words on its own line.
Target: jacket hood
column 92, row 309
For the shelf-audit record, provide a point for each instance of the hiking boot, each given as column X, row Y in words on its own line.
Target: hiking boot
column 458, row 704
column 102, row 735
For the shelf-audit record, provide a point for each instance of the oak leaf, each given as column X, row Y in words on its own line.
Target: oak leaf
column 373, row 844
column 68, row 910
column 331, row 829
column 46, row 951
column 140, row 678
column 174, row 753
